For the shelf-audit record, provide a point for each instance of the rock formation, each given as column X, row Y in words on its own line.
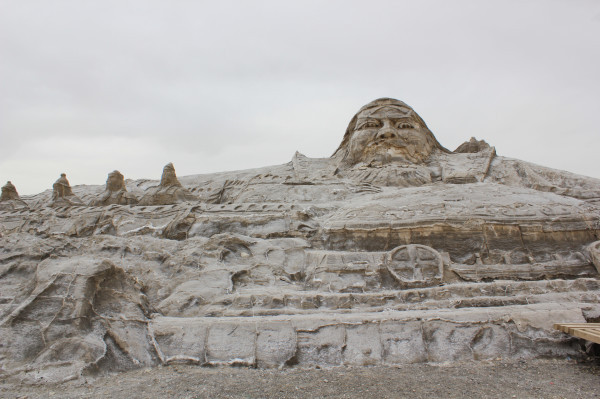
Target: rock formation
column 62, row 194
column 9, row 192
column 394, row 250
column 169, row 191
column 116, row 192
column 9, row 199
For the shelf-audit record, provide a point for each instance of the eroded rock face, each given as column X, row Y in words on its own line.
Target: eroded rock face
column 393, row 251
column 594, row 251
column 74, row 314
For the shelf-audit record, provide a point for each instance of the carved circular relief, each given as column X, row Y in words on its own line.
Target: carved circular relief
column 415, row 265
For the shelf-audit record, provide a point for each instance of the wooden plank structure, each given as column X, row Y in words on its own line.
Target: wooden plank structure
column 589, row 331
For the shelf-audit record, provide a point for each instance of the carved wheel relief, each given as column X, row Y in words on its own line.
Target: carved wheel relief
column 415, row 265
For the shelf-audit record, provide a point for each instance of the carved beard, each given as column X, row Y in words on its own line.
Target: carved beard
column 388, row 151
column 385, row 153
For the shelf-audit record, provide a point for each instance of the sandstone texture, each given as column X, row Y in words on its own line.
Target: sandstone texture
column 393, row 251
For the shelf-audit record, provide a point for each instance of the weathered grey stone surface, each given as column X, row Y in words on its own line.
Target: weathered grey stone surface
column 394, row 250
column 594, row 251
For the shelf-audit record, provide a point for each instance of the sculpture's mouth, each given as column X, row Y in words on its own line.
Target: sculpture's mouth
column 388, row 143
column 391, row 147
column 394, row 150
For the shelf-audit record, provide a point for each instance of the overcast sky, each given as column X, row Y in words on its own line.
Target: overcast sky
column 87, row 87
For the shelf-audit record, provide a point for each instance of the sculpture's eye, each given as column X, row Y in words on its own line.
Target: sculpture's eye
column 369, row 125
column 404, row 125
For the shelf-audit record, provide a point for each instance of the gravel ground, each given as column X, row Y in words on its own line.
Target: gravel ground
column 495, row 379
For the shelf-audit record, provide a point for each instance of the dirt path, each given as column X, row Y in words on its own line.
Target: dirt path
column 531, row 379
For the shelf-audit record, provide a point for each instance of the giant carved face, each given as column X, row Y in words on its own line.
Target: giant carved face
column 387, row 130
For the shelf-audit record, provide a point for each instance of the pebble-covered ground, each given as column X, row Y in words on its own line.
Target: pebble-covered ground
column 493, row 379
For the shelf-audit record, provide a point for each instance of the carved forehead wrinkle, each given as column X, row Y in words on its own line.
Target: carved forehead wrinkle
column 386, row 112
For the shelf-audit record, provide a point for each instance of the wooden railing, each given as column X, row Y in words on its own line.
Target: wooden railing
column 589, row 331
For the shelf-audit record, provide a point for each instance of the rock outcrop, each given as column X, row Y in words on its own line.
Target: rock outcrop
column 116, row 193
column 393, row 251
column 9, row 199
column 9, row 192
column 62, row 194
column 472, row 146
column 169, row 191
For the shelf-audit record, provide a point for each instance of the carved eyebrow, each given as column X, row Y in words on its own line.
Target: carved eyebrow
column 362, row 121
column 366, row 118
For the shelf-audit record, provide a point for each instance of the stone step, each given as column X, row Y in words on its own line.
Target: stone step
column 389, row 337
column 446, row 296
column 350, row 307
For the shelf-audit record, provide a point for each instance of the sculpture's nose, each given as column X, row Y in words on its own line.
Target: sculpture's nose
column 387, row 133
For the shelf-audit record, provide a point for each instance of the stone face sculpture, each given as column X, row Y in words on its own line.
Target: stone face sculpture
column 392, row 251
column 169, row 191
column 387, row 130
column 116, row 192
column 62, row 194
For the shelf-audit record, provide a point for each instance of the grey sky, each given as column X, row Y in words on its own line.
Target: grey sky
column 87, row 87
